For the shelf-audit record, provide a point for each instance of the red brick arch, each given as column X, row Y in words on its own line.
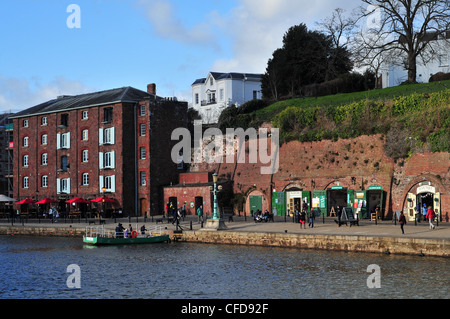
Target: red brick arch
column 435, row 181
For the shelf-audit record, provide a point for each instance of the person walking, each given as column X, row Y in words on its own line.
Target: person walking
column 430, row 215
column 200, row 213
column 311, row 218
column 402, row 221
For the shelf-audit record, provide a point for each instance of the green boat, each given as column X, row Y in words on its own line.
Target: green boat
column 99, row 236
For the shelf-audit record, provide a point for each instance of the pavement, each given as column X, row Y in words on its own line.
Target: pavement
column 321, row 227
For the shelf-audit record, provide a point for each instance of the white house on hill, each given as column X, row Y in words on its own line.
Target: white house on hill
column 211, row 95
column 393, row 71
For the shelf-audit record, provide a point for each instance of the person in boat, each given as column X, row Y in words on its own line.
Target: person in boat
column 143, row 229
column 119, row 231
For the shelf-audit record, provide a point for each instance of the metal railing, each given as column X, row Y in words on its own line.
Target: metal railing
column 100, row 231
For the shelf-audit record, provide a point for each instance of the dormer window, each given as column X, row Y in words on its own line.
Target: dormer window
column 211, row 81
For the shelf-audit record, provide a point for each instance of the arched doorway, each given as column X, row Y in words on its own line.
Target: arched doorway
column 420, row 197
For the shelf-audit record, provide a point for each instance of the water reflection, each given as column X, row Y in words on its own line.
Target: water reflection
column 36, row 268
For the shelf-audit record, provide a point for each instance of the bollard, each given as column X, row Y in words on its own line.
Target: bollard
column 190, row 226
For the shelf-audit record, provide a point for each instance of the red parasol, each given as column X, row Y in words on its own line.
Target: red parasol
column 25, row 201
column 104, row 199
column 46, row 201
column 77, row 200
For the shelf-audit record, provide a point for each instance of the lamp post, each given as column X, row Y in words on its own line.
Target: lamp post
column 215, row 223
column 215, row 191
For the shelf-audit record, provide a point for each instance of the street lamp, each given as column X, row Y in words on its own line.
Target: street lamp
column 215, row 223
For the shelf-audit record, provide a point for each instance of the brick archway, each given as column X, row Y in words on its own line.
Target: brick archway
column 435, row 181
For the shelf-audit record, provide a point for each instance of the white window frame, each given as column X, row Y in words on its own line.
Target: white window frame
column 142, row 152
column 85, row 179
column 44, row 181
column 142, row 109
column 25, row 123
column 85, row 156
column 143, row 178
column 63, row 185
column 106, row 136
column 25, row 141
column 108, row 182
column 25, row 161
column 85, row 135
column 84, row 115
column 142, row 127
column 25, row 182
column 44, row 159
column 63, row 140
column 107, row 159
column 44, row 139
column 44, row 120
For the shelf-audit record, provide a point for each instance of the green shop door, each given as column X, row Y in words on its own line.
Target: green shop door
column 278, row 203
column 255, row 203
column 319, row 201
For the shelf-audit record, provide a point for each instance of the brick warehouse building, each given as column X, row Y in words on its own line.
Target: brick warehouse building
column 116, row 142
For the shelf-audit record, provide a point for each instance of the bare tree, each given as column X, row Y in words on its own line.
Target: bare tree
column 408, row 26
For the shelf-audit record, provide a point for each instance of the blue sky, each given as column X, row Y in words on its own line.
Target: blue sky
column 137, row 42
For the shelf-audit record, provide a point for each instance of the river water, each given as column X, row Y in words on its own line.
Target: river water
column 37, row 267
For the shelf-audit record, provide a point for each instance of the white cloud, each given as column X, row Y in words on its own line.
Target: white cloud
column 256, row 28
column 161, row 14
column 17, row 94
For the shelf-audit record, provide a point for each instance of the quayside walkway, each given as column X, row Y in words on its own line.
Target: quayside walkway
column 384, row 236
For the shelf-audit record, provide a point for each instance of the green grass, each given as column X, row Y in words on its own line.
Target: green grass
column 269, row 112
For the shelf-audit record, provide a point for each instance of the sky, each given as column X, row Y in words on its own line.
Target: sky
column 50, row 48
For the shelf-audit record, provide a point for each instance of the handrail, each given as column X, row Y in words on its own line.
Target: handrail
column 99, row 231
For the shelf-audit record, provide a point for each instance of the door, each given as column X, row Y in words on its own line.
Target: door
column 319, row 201
column 255, row 203
column 409, row 210
column 143, row 206
column 198, row 202
column 278, row 204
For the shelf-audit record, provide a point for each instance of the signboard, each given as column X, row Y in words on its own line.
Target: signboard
column 426, row 189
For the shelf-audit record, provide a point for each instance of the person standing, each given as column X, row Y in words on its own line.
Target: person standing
column 311, row 218
column 402, row 221
column 200, row 213
column 424, row 211
column 338, row 213
column 430, row 215
column 302, row 219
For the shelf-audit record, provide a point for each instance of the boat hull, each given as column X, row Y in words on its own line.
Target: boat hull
column 124, row 241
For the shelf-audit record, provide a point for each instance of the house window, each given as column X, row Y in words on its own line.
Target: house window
column 106, row 136
column 44, row 120
column 25, row 161
column 64, row 163
column 64, row 119
column 196, row 98
column 142, row 153
column 44, row 139
column 107, row 115
column 44, row 158
column 64, row 185
column 84, row 115
column 211, row 81
column 44, row 181
column 143, row 178
column 85, row 156
column 106, row 160
column 221, row 94
column 255, row 95
column 107, row 182
column 142, row 110
column 84, row 135
column 25, row 182
column 85, row 179
column 142, row 129
column 25, row 141
column 63, row 140
column 25, row 123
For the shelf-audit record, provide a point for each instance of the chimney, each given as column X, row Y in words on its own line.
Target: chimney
column 151, row 88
